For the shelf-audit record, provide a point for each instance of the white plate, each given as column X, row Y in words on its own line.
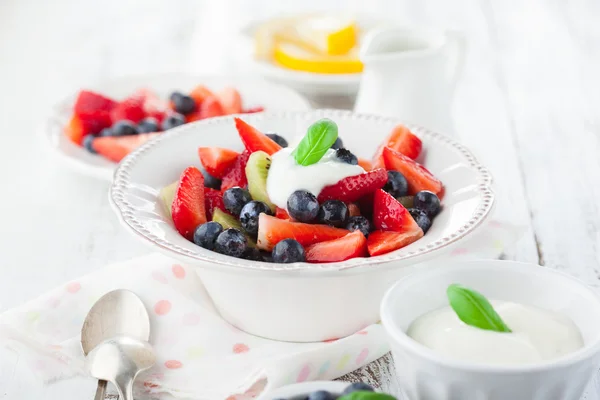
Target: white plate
column 254, row 92
column 308, row 83
column 297, row 302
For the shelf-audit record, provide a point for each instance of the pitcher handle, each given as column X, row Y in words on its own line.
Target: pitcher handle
column 458, row 49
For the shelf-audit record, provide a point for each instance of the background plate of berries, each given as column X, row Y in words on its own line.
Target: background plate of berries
column 93, row 129
column 231, row 191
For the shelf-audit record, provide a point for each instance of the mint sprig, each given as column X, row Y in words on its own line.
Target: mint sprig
column 474, row 309
column 318, row 139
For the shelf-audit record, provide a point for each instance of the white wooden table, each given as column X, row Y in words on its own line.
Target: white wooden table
column 527, row 105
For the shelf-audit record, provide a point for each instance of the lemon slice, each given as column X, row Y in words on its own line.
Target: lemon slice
column 292, row 56
column 330, row 35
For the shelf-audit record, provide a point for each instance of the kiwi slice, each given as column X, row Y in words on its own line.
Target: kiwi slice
column 257, row 171
column 166, row 195
column 407, row 201
column 229, row 221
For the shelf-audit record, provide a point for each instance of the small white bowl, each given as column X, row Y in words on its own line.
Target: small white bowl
column 302, row 390
column 425, row 374
column 300, row 301
column 254, row 92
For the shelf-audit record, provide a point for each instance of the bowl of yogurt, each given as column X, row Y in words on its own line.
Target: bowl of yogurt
column 550, row 348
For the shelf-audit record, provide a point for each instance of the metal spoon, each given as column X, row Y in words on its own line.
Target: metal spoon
column 119, row 360
column 117, row 313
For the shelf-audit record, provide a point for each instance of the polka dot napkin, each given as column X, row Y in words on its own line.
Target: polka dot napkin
column 199, row 355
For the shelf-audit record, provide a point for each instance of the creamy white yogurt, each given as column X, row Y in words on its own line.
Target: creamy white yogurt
column 537, row 335
column 286, row 176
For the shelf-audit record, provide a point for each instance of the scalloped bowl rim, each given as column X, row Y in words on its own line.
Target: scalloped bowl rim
column 125, row 212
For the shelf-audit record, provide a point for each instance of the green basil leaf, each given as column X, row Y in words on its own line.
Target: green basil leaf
column 474, row 309
column 319, row 138
column 361, row 395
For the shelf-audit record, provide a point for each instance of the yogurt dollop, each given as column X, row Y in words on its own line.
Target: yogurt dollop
column 286, row 176
column 537, row 335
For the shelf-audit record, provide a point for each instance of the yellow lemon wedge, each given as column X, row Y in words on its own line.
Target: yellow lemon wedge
column 293, row 56
column 330, row 35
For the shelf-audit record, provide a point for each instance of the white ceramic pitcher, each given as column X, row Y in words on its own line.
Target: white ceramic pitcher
column 411, row 74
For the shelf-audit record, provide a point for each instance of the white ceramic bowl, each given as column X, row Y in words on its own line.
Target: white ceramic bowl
column 297, row 302
column 302, row 390
column 254, row 92
column 424, row 374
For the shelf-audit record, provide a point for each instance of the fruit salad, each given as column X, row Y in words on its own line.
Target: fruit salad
column 113, row 128
column 312, row 202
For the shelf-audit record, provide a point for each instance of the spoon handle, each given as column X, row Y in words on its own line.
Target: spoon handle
column 100, row 390
column 124, row 385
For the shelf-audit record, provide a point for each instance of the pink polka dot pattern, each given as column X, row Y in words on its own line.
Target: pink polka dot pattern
column 191, row 319
column 362, row 356
column 173, row 364
column 73, row 287
column 363, row 332
column 459, row 251
column 158, row 276
column 239, row 348
column 162, row 307
column 303, row 375
column 178, row 271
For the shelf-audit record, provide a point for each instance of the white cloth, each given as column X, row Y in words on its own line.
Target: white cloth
column 199, row 355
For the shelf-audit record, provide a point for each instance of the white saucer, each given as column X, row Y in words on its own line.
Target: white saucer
column 254, row 92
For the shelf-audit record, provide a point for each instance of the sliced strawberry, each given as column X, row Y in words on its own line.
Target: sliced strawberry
column 217, row 160
column 213, row 199
column 188, row 204
column 282, row 214
column 253, row 110
column 365, row 164
column 236, row 174
column 401, row 139
column 353, row 210
column 350, row 246
column 231, row 100
column 390, row 215
column 381, row 242
column 153, row 105
column 354, row 187
column 75, row 130
column 88, row 101
column 211, row 107
column 254, row 140
column 94, row 121
column 116, row 148
column 272, row 230
column 418, row 177
column 200, row 93
column 131, row 109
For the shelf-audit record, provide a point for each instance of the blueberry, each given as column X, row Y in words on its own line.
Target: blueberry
column 88, row 143
column 210, row 181
column 235, row 199
column 175, row 95
column 338, row 144
column 333, row 212
column 148, row 125
column 421, row 218
column 346, row 156
column 396, row 185
column 105, row 132
column 303, row 206
column 231, row 242
column 206, row 234
column 321, row 395
column 172, row 121
column 358, row 387
column 184, row 104
column 278, row 139
column 288, row 251
column 124, row 128
column 428, row 202
column 252, row 254
column 359, row 223
column 249, row 215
